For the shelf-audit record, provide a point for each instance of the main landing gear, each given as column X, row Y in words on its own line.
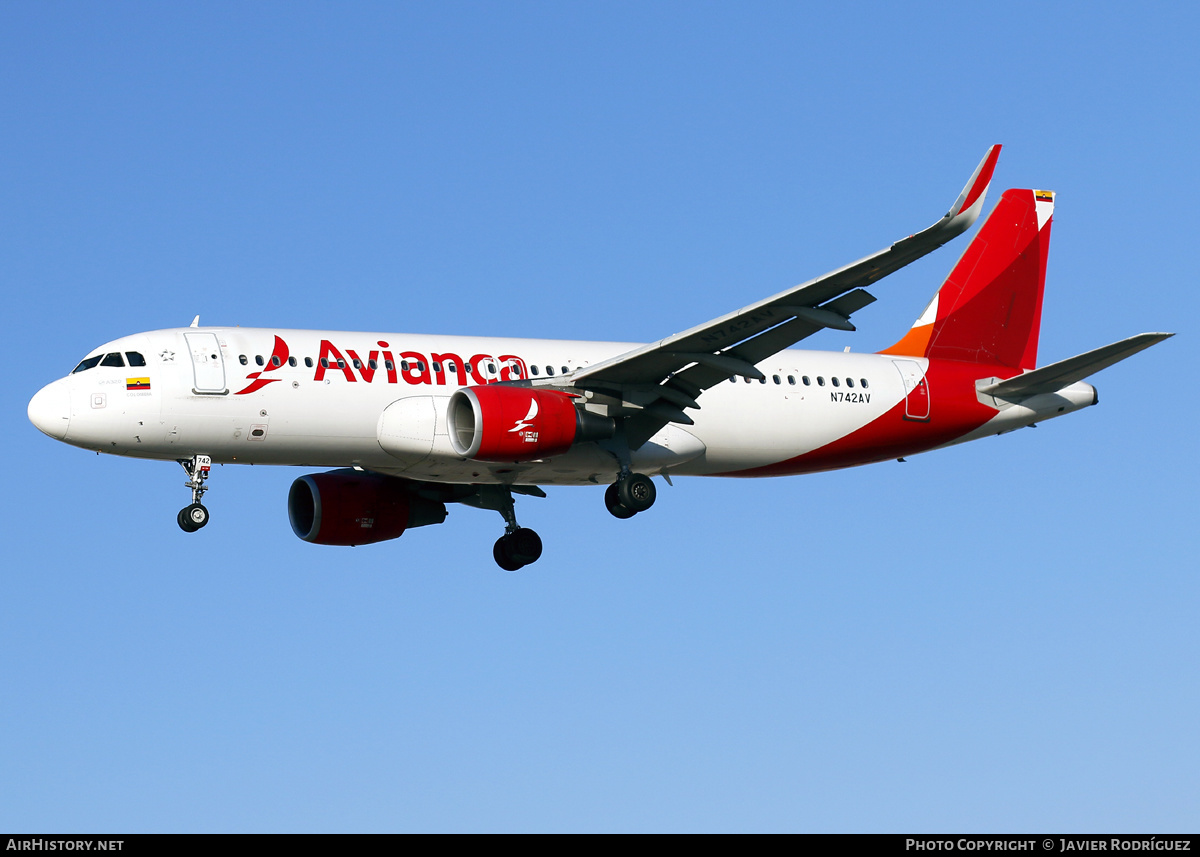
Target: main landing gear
column 195, row 516
column 519, row 546
column 630, row 494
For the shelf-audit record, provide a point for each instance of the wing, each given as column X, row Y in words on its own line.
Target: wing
column 652, row 385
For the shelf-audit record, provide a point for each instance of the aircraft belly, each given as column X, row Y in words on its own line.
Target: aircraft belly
column 585, row 464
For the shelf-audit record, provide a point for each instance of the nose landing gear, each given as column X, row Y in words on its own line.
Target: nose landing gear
column 195, row 516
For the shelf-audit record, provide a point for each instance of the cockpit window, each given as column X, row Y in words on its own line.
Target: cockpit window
column 135, row 359
column 87, row 364
column 113, row 359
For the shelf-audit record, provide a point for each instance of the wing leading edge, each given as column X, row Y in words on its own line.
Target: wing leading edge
column 652, row 385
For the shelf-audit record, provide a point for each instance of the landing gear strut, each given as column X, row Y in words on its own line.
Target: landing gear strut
column 195, row 516
column 630, row 494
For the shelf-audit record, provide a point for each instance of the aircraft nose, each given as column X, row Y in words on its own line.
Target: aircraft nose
column 50, row 409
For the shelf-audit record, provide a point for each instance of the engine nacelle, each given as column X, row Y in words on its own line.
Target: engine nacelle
column 349, row 507
column 503, row 423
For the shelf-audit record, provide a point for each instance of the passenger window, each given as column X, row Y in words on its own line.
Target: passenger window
column 242, row 359
column 533, row 369
column 863, row 381
column 388, row 365
column 275, row 361
column 308, row 362
column 135, row 359
column 792, row 380
column 820, row 381
column 835, row 381
column 324, row 362
column 258, row 359
column 114, row 359
column 437, row 367
column 88, row 363
column 372, row 364
column 762, row 380
column 776, row 378
column 404, row 365
column 849, row 382
column 549, row 370
column 357, row 363
column 453, row 367
column 492, row 368
column 341, row 364
column 565, row 370
column 807, row 383
column 291, row 361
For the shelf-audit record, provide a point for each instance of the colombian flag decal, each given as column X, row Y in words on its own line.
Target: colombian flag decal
column 1043, row 195
column 137, row 383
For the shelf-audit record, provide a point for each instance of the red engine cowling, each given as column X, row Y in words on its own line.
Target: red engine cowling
column 500, row 423
column 348, row 507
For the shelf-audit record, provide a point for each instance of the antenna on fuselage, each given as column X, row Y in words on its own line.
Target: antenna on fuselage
column 195, row 322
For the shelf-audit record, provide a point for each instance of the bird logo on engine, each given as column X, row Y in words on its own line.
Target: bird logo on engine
column 522, row 427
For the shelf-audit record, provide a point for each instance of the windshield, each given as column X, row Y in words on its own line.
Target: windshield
column 111, row 359
column 87, row 363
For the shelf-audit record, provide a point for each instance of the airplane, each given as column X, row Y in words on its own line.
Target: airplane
column 411, row 423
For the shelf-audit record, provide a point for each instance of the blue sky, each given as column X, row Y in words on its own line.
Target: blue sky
column 996, row 637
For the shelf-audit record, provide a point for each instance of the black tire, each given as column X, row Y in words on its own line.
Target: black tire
column 184, row 521
column 196, row 515
column 613, row 503
column 636, row 492
column 525, row 546
column 501, row 553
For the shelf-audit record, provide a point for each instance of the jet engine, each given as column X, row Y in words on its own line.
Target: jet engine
column 504, row 423
column 349, row 507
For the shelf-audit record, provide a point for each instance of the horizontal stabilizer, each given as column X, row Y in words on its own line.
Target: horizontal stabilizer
column 1052, row 378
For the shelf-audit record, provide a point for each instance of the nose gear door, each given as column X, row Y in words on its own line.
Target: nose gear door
column 208, row 369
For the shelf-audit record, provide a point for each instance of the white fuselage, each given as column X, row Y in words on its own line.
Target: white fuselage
column 215, row 391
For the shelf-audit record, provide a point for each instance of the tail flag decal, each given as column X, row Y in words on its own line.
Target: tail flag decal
column 989, row 309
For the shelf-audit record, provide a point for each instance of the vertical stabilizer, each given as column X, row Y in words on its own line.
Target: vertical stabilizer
column 989, row 310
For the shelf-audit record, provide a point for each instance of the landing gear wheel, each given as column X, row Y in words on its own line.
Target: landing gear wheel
column 517, row 549
column 192, row 518
column 502, row 557
column 636, row 492
column 525, row 545
column 613, row 502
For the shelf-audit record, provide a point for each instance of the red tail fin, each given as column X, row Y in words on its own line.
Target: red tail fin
column 989, row 310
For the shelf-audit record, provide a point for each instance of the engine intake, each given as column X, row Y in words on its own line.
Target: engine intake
column 504, row 423
column 348, row 507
